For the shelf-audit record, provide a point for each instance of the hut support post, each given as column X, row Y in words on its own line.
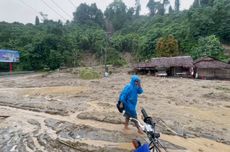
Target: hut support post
column 11, row 67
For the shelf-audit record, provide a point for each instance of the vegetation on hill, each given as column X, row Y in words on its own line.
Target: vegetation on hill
column 166, row 31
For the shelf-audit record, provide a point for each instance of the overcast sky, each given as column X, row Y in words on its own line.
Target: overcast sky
column 24, row 11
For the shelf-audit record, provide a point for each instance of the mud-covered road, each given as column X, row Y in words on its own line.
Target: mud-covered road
column 60, row 112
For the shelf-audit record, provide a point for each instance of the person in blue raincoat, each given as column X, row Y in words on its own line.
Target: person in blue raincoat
column 140, row 148
column 143, row 148
column 128, row 100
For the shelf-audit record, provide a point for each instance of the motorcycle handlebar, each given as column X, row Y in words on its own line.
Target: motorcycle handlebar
column 144, row 113
column 147, row 119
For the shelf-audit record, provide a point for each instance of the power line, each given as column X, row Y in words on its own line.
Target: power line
column 27, row 5
column 61, row 8
column 53, row 10
column 71, row 2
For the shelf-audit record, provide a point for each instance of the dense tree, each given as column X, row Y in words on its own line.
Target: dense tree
column 55, row 59
column 116, row 12
column 130, row 13
column 170, row 9
column 166, row 5
column 157, row 8
column 205, row 3
column 137, row 7
column 208, row 46
column 200, row 22
column 152, row 7
column 97, row 15
column 125, row 43
column 166, row 2
column 177, row 5
column 37, row 22
column 86, row 14
column 167, row 47
column 196, row 3
column 114, row 57
column 147, row 45
column 221, row 18
column 160, row 8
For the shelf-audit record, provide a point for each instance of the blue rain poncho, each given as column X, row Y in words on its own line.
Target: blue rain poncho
column 143, row 148
column 129, row 96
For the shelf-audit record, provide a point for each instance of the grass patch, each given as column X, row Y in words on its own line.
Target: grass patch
column 88, row 74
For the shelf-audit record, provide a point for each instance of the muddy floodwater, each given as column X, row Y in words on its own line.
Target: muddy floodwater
column 59, row 112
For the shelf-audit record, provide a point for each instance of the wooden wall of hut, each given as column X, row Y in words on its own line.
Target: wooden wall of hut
column 206, row 73
column 145, row 71
column 179, row 72
column 222, row 73
column 213, row 73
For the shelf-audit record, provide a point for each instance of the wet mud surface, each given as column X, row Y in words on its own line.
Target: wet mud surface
column 60, row 112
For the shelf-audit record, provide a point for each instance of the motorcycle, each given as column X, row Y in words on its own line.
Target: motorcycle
column 148, row 128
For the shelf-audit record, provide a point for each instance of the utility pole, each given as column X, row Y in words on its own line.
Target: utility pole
column 105, row 53
column 44, row 16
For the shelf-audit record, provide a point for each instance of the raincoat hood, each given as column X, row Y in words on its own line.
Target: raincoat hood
column 133, row 79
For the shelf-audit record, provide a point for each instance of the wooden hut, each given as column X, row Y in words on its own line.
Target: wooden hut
column 166, row 66
column 211, row 68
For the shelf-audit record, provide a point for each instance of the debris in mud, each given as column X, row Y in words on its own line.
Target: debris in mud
column 36, row 124
column 105, row 105
column 227, row 106
column 205, row 133
column 171, row 146
column 217, row 97
column 51, row 104
column 89, row 148
column 37, row 108
column 72, row 131
column 221, row 88
column 4, row 117
column 108, row 117
column 12, row 139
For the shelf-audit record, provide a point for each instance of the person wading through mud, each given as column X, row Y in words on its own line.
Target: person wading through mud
column 128, row 100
